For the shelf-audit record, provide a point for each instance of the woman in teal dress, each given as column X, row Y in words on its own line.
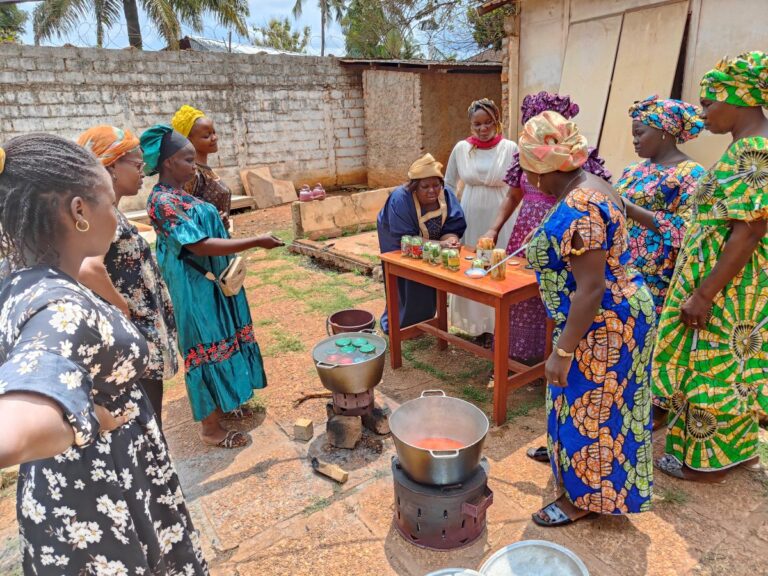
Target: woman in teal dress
column 598, row 393
column 222, row 360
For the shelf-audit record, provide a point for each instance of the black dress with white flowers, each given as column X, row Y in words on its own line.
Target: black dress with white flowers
column 111, row 504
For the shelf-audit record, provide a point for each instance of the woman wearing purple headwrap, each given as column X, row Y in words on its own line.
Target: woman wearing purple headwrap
column 528, row 319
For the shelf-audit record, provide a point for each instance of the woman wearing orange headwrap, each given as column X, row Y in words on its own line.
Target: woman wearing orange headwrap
column 128, row 276
column 598, row 393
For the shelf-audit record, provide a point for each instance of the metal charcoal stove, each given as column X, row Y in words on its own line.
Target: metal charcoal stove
column 352, row 404
column 441, row 517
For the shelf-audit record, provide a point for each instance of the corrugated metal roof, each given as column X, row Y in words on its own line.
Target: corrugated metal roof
column 199, row 44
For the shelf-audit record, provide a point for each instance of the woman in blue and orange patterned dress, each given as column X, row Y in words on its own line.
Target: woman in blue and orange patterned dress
column 658, row 194
column 598, row 393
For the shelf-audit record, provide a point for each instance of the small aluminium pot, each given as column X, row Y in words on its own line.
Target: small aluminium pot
column 435, row 418
column 355, row 378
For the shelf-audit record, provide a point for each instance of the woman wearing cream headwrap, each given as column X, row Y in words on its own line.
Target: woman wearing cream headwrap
column 711, row 355
column 206, row 185
column 422, row 207
column 480, row 163
column 598, row 392
column 128, row 276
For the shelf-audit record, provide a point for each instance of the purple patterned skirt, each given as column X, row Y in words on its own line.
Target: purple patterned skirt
column 527, row 320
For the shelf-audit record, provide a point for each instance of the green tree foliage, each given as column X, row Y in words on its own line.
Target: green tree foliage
column 278, row 34
column 488, row 30
column 373, row 32
column 328, row 8
column 56, row 18
column 12, row 21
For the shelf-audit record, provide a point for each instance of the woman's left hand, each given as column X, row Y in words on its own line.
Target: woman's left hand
column 696, row 311
column 556, row 370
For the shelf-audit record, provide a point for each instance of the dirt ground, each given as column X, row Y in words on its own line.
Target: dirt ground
column 262, row 510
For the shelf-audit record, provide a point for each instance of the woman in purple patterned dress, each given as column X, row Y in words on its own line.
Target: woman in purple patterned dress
column 527, row 320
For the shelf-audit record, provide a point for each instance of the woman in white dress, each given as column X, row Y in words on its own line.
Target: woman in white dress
column 480, row 162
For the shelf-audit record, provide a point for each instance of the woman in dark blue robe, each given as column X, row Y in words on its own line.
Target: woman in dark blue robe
column 422, row 207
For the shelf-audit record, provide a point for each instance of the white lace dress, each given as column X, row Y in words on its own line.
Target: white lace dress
column 482, row 173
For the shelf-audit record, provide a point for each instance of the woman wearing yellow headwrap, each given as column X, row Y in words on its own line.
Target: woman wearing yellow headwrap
column 128, row 276
column 206, row 185
column 598, row 392
column 422, row 207
column 711, row 356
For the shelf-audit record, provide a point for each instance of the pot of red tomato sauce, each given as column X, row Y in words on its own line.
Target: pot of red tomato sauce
column 439, row 439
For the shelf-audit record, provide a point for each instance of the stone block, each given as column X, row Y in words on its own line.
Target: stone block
column 266, row 190
column 303, row 430
column 344, row 431
column 337, row 214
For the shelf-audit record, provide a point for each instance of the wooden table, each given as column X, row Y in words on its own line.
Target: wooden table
column 520, row 284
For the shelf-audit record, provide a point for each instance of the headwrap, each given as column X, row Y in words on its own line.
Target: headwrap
column 108, row 143
column 185, row 118
column 741, row 81
column 425, row 167
column 594, row 165
column 535, row 104
column 2, row 160
column 550, row 143
column 158, row 144
column 675, row 117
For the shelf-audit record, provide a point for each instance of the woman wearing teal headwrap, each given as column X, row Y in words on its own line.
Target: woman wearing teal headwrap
column 711, row 355
column 216, row 339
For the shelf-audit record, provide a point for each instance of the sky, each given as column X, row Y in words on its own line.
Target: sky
column 261, row 12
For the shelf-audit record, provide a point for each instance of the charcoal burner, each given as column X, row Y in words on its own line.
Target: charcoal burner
column 441, row 517
column 353, row 404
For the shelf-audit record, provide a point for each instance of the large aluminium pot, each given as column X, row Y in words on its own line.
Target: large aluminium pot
column 437, row 416
column 350, row 378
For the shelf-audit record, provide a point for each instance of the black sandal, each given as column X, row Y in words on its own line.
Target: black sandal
column 540, row 454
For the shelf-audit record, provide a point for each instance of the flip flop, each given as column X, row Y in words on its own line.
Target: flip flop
column 672, row 467
column 540, row 454
column 233, row 439
column 556, row 516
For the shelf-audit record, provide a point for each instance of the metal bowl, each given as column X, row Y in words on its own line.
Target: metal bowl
column 350, row 378
column 534, row 558
column 435, row 415
column 454, row 572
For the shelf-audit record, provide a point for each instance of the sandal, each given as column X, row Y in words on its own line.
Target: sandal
column 671, row 466
column 556, row 516
column 540, row 454
column 242, row 413
column 233, row 439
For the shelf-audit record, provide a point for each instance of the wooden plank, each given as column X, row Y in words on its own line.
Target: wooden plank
column 542, row 45
column 513, row 79
column 645, row 64
column 582, row 10
column 590, row 55
column 332, row 256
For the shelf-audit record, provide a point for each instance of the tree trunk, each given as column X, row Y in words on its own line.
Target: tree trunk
column 323, row 19
column 131, row 12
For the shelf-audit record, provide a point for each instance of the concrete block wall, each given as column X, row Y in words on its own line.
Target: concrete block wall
column 301, row 115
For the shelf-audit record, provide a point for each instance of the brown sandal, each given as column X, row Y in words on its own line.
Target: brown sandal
column 233, row 439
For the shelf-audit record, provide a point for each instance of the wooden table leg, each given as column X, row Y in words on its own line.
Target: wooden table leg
column 393, row 313
column 501, row 362
column 548, row 338
column 442, row 317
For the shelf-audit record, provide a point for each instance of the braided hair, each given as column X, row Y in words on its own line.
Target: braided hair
column 489, row 107
column 42, row 173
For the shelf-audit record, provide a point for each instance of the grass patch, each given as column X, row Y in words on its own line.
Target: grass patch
column 673, row 495
column 264, row 322
column 762, row 451
column 474, row 394
column 283, row 342
column 318, row 505
column 524, row 409
column 257, row 403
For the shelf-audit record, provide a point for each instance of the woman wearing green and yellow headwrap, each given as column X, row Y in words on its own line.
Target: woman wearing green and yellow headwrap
column 711, row 355
column 206, row 185
column 216, row 338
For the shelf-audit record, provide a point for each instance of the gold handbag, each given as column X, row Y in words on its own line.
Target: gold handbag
column 231, row 280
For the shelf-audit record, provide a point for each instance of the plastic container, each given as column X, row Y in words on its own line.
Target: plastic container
column 405, row 246
column 343, row 342
column 357, row 342
column 454, row 262
column 367, row 349
column 417, row 247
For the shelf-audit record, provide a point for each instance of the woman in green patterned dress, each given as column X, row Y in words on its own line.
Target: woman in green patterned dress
column 711, row 357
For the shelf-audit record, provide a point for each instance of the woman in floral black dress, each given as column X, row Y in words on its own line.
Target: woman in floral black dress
column 97, row 493
column 128, row 276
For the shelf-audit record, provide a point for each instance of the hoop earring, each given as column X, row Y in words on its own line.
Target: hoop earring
column 85, row 228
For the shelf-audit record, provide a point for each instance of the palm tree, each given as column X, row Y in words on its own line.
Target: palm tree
column 59, row 17
column 326, row 6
